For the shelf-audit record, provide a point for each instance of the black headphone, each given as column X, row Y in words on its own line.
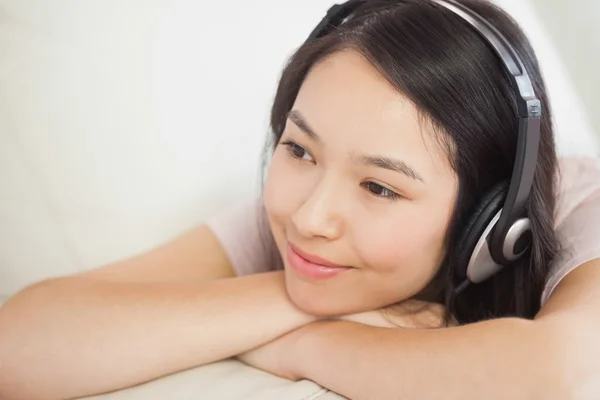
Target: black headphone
column 498, row 232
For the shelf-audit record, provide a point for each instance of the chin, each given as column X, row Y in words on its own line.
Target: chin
column 318, row 309
column 318, row 299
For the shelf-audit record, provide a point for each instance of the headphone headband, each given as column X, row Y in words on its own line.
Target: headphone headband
column 529, row 112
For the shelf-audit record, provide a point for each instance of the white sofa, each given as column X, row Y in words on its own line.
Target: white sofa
column 122, row 123
column 225, row 380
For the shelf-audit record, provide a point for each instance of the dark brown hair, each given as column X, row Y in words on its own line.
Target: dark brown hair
column 458, row 83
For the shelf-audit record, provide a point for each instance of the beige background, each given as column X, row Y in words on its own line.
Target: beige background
column 574, row 27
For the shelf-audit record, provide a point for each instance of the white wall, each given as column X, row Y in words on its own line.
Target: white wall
column 124, row 122
column 573, row 26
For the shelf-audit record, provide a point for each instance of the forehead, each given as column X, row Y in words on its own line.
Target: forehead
column 354, row 108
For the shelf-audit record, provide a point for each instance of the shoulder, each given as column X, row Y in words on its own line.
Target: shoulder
column 244, row 232
column 577, row 179
column 577, row 222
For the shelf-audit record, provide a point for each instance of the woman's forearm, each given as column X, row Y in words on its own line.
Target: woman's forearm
column 497, row 359
column 70, row 337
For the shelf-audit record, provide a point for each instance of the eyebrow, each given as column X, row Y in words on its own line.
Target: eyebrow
column 392, row 165
column 300, row 122
column 388, row 163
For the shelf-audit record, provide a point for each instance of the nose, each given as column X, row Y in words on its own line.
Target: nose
column 320, row 215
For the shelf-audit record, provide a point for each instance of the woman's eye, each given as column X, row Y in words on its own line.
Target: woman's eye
column 297, row 151
column 381, row 191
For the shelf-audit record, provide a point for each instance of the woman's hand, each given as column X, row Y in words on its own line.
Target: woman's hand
column 277, row 356
column 416, row 314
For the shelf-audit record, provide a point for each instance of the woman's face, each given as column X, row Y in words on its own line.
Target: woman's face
column 359, row 193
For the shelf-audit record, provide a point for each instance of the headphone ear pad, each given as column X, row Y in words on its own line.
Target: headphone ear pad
column 489, row 205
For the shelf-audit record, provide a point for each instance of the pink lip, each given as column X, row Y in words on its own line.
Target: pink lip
column 312, row 267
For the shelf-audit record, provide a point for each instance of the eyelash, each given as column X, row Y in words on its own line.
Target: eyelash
column 390, row 195
column 293, row 146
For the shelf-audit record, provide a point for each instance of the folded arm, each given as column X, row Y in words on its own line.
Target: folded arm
column 137, row 320
column 554, row 356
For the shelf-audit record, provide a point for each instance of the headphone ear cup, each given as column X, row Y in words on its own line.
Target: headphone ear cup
column 485, row 211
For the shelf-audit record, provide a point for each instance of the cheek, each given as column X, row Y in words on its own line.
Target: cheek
column 280, row 192
column 287, row 186
column 405, row 250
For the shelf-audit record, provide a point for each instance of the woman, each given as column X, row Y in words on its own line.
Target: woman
column 387, row 132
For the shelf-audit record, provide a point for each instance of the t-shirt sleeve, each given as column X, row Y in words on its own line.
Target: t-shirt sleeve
column 577, row 218
column 245, row 235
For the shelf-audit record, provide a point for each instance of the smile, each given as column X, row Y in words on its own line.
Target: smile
column 312, row 267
